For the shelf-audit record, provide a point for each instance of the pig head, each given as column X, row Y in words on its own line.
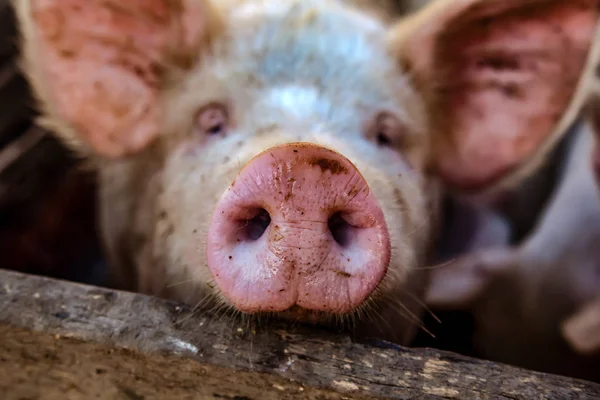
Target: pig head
column 287, row 157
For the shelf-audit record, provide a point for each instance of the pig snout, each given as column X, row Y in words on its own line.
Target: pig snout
column 299, row 226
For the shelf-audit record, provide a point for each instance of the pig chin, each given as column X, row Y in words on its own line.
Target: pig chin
column 298, row 233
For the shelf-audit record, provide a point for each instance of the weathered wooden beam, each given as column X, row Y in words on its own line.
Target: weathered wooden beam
column 70, row 341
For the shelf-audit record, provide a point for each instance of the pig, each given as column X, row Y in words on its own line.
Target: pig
column 521, row 295
column 286, row 158
column 581, row 329
column 503, row 220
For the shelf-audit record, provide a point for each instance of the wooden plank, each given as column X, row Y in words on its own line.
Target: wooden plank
column 18, row 147
column 74, row 341
column 34, row 366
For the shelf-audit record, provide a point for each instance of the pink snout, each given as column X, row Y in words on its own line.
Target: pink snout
column 298, row 227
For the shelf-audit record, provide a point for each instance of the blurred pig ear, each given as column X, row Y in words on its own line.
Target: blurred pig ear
column 504, row 79
column 582, row 330
column 460, row 283
column 96, row 65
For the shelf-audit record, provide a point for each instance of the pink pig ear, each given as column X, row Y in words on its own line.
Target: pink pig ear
column 96, row 65
column 505, row 79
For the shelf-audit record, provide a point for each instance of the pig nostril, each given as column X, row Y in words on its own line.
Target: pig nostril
column 256, row 226
column 340, row 229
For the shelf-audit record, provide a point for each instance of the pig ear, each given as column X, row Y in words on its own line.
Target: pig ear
column 582, row 330
column 96, row 65
column 463, row 281
column 504, row 79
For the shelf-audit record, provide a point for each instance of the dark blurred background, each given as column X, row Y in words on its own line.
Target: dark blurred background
column 47, row 201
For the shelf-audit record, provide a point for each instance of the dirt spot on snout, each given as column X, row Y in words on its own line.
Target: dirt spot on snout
column 341, row 273
column 328, row 165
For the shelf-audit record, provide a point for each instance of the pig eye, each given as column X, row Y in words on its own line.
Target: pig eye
column 386, row 130
column 383, row 139
column 213, row 119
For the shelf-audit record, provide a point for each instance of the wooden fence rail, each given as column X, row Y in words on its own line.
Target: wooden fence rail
column 69, row 341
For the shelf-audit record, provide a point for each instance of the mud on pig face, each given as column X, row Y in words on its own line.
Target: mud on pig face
column 284, row 156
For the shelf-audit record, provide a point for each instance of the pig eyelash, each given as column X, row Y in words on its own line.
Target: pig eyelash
column 212, row 119
column 386, row 129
